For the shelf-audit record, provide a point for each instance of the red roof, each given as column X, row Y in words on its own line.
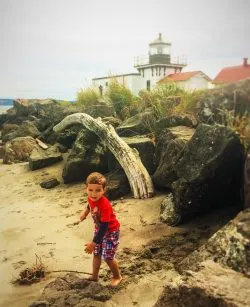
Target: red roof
column 233, row 73
column 182, row 76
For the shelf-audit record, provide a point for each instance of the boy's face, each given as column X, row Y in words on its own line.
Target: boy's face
column 95, row 191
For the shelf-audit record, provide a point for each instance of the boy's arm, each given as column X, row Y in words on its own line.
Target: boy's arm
column 101, row 232
column 89, row 247
column 84, row 214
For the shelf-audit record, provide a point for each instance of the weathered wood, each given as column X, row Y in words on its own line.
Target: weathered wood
column 41, row 144
column 138, row 177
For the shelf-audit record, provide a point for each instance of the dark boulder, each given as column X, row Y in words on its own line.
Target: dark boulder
column 229, row 246
column 40, row 158
column 27, row 128
column 212, row 286
column 216, row 104
column 208, row 172
column 173, row 121
column 145, row 148
column 67, row 137
column 246, row 188
column 169, row 149
column 88, row 155
column 117, row 184
column 141, row 124
column 100, row 110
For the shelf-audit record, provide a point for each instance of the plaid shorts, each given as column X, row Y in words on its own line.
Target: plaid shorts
column 108, row 246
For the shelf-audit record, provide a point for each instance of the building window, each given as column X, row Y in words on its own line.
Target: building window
column 148, row 85
column 106, row 83
column 142, row 73
column 152, row 71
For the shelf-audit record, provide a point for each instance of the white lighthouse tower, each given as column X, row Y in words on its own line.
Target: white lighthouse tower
column 151, row 68
column 158, row 63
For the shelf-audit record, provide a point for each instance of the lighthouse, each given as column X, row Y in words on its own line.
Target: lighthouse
column 158, row 63
column 151, row 68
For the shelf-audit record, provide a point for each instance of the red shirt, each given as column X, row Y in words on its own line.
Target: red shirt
column 102, row 211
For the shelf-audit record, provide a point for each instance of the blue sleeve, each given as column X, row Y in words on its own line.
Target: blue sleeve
column 101, row 232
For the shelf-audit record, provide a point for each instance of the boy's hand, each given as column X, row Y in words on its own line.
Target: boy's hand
column 89, row 247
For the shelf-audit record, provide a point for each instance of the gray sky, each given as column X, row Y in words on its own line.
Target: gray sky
column 52, row 48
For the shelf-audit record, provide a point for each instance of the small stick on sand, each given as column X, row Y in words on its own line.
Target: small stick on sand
column 74, row 224
column 44, row 243
column 69, row 271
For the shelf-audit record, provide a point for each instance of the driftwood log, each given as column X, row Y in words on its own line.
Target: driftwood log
column 140, row 182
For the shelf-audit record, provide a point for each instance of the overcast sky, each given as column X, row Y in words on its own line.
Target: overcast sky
column 52, row 48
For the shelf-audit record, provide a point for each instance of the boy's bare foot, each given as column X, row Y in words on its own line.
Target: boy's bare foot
column 115, row 281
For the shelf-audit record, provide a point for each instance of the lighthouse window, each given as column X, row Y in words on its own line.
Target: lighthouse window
column 159, row 50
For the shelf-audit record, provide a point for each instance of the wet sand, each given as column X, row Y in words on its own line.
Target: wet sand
column 35, row 221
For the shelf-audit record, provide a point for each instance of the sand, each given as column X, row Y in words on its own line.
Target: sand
column 35, row 221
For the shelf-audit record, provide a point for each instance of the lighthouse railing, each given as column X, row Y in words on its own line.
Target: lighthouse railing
column 174, row 60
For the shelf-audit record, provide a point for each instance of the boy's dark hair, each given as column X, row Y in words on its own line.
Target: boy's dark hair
column 96, row 178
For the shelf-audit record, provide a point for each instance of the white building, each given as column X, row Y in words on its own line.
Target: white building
column 191, row 80
column 151, row 68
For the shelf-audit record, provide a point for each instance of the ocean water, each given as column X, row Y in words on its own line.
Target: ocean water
column 3, row 109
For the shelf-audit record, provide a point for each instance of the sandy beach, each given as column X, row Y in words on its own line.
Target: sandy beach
column 35, row 221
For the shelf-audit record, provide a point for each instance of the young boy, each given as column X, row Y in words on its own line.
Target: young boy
column 106, row 235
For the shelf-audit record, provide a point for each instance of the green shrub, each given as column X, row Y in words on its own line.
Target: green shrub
column 161, row 99
column 121, row 98
column 88, row 97
column 187, row 102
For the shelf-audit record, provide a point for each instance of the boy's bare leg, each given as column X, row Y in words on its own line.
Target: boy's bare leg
column 115, row 271
column 97, row 260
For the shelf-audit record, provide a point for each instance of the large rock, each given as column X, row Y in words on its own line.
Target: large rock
column 27, row 128
column 208, row 172
column 19, row 149
column 47, row 111
column 141, row 123
column 169, row 149
column 88, row 155
column 246, row 189
column 145, row 148
column 117, row 184
column 3, row 119
column 175, row 120
column 40, row 158
column 100, row 110
column 66, row 137
column 230, row 246
column 216, row 104
column 7, row 129
column 218, row 272
column 34, row 107
column 168, row 214
column 213, row 286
